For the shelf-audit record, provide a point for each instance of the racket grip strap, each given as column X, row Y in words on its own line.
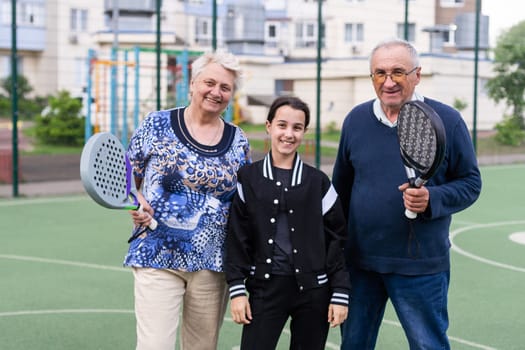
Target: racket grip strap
column 410, row 214
column 153, row 224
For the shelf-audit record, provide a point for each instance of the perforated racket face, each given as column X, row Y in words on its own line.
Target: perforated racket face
column 417, row 137
column 105, row 172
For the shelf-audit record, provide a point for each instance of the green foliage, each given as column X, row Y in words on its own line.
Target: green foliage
column 62, row 123
column 460, row 104
column 5, row 106
column 28, row 108
column 509, row 65
column 331, row 128
column 509, row 132
column 23, row 87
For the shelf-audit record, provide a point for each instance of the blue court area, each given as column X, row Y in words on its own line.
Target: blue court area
column 63, row 285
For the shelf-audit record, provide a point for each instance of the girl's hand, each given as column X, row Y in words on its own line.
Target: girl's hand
column 337, row 314
column 240, row 310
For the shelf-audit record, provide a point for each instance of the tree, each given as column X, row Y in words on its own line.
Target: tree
column 23, row 86
column 509, row 64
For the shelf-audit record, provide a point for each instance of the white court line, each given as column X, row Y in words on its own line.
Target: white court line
column 503, row 167
column 463, row 252
column 26, row 201
column 105, row 267
column 457, row 340
column 63, row 262
column 329, row 345
column 65, row 311
column 518, row 237
column 124, row 311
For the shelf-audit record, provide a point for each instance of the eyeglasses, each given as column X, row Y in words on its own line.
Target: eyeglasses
column 397, row 75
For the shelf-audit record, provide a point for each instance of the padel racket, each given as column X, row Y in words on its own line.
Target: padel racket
column 422, row 142
column 107, row 175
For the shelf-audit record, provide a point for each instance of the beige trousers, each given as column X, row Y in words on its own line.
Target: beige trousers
column 159, row 297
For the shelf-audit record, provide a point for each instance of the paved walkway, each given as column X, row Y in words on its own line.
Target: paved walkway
column 41, row 189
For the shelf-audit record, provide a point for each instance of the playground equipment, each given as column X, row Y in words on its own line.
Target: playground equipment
column 122, row 88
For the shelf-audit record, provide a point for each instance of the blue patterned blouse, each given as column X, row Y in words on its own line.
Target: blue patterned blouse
column 190, row 186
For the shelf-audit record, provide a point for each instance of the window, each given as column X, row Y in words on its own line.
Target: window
column 354, row 32
column 305, row 34
column 80, row 71
column 452, row 3
column 271, row 35
column 5, row 66
column 283, row 87
column 79, row 20
column 449, row 37
column 272, row 31
column 27, row 13
column 6, row 12
column 203, row 31
column 411, row 31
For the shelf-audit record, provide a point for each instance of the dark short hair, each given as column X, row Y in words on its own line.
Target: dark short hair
column 292, row 101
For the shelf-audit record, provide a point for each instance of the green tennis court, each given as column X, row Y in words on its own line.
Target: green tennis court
column 62, row 285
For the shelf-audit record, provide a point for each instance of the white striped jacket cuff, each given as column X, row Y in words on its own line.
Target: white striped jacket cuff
column 237, row 290
column 339, row 299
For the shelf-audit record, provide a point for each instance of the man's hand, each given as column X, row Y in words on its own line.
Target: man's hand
column 415, row 199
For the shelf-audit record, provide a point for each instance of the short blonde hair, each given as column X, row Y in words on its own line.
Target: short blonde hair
column 226, row 59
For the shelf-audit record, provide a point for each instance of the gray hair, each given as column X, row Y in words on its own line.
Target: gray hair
column 397, row 42
column 226, row 59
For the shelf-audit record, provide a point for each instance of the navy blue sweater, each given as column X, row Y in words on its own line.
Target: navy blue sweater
column 367, row 173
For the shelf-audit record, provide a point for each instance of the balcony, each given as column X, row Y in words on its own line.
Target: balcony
column 30, row 25
column 143, row 7
column 132, row 38
column 28, row 38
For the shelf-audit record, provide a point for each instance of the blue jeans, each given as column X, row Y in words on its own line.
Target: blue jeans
column 420, row 303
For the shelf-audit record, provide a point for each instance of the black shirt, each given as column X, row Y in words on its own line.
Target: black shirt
column 282, row 253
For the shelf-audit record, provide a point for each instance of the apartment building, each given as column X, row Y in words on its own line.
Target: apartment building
column 275, row 40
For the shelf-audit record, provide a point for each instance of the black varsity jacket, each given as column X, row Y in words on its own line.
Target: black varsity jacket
column 316, row 224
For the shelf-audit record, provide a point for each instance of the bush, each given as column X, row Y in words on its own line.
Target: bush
column 331, row 128
column 61, row 124
column 509, row 131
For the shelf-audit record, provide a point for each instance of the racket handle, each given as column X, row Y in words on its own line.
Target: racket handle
column 411, row 174
column 153, row 224
column 410, row 214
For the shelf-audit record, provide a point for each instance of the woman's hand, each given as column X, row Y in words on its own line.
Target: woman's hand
column 143, row 216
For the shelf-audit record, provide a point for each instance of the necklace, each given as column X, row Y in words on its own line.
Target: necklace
column 189, row 139
column 211, row 141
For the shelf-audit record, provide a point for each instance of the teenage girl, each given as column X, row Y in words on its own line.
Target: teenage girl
column 284, row 248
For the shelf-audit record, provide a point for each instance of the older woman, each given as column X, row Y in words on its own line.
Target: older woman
column 186, row 160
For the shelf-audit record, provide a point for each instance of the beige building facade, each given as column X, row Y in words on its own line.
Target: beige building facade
column 275, row 40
